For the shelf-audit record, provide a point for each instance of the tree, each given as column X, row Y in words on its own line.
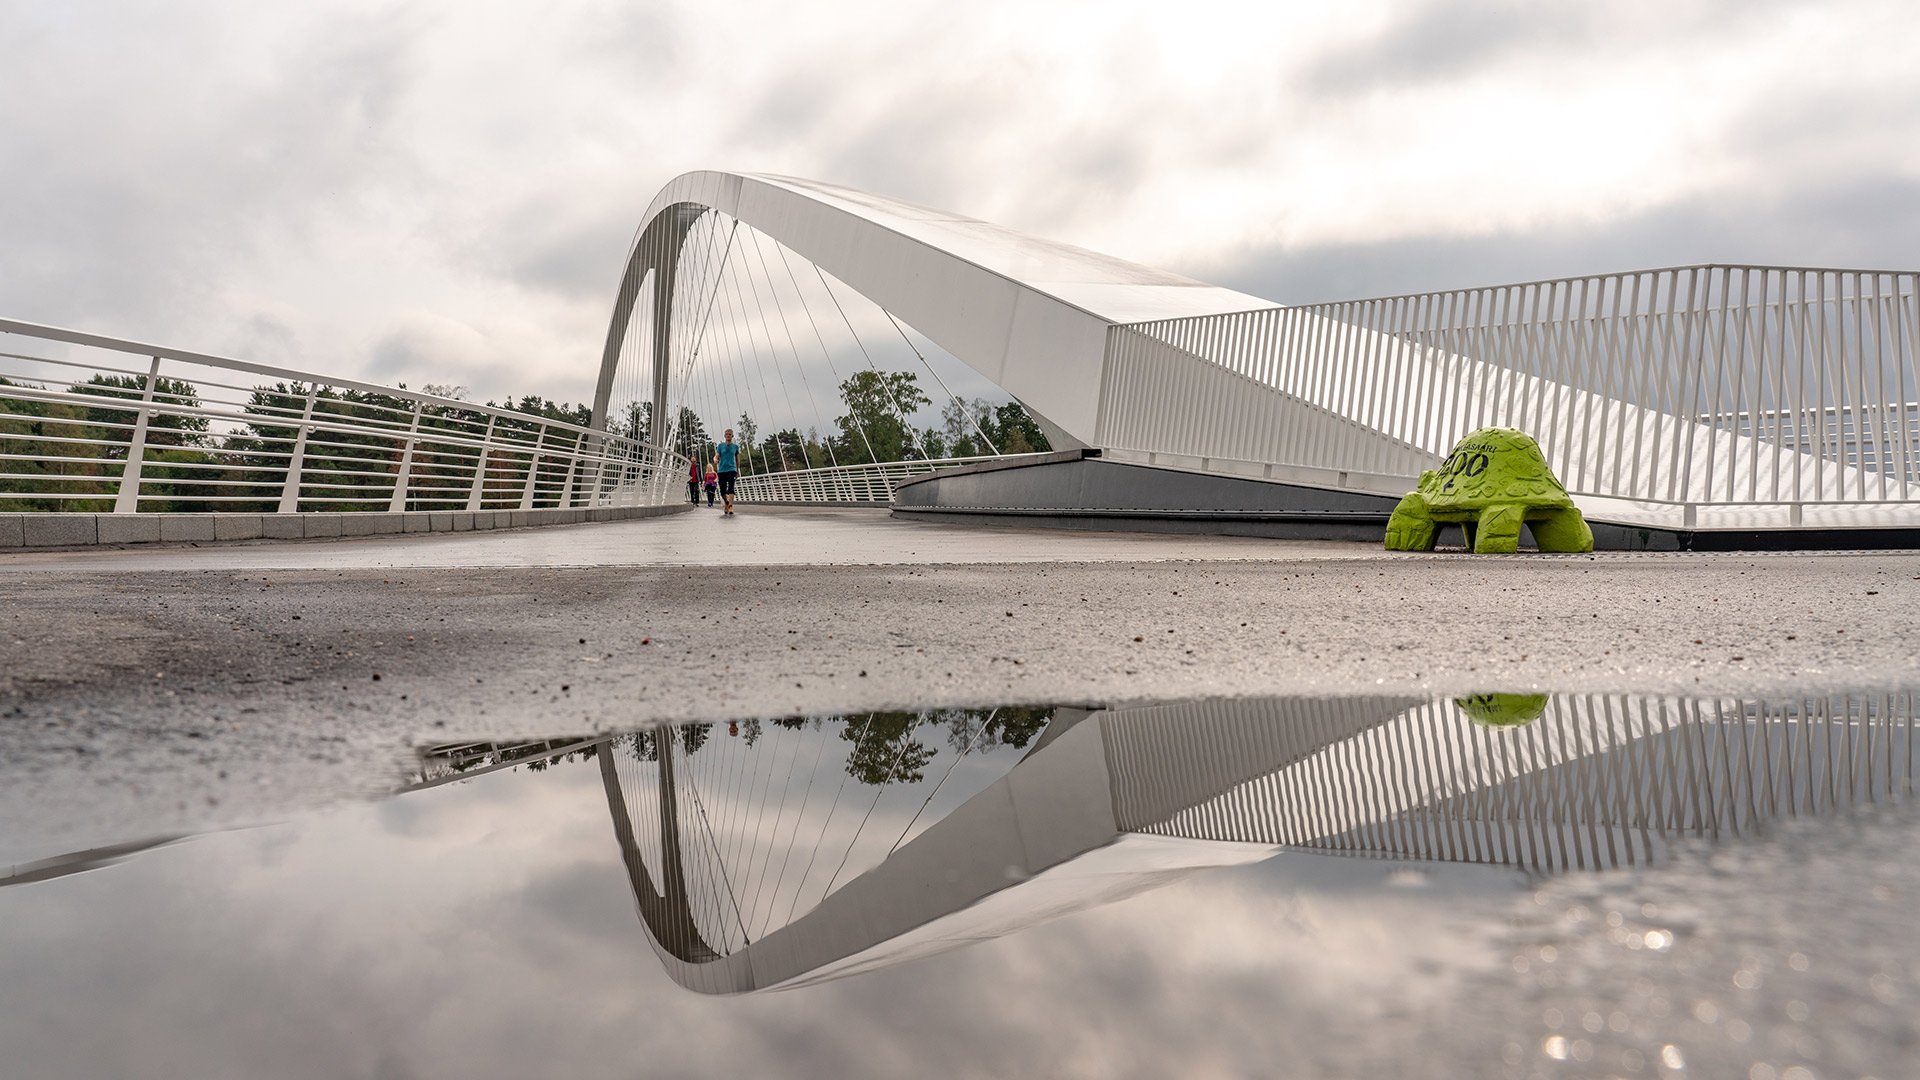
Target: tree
column 1017, row 433
column 961, row 421
column 875, row 425
column 163, row 429
column 32, row 429
column 633, row 422
column 689, row 435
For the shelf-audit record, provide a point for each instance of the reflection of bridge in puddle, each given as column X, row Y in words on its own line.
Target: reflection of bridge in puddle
column 778, row 853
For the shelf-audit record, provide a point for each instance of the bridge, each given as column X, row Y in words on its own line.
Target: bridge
column 1706, row 405
column 756, row 864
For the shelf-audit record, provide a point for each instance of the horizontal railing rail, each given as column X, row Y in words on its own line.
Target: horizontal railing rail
column 84, row 428
column 1702, row 388
column 870, row 484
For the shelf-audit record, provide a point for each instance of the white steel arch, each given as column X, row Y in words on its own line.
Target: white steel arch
column 1030, row 314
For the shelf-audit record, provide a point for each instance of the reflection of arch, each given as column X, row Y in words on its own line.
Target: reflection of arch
column 1030, row 314
column 1127, row 799
column 666, row 913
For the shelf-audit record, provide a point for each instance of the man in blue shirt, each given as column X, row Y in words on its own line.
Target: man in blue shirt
column 729, row 454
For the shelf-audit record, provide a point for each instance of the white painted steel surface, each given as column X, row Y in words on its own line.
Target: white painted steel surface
column 188, row 430
column 1030, row 314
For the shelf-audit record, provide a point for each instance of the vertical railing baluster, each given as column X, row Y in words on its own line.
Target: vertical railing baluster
column 533, row 468
column 399, row 501
column 297, row 458
column 477, row 495
column 127, row 498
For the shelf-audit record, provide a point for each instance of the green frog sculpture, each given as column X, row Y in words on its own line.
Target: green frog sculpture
column 1495, row 480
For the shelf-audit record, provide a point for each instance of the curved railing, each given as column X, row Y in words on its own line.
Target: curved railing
column 871, row 484
column 1713, row 395
column 94, row 424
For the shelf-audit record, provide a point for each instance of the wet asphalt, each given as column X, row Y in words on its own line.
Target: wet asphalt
column 158, row 690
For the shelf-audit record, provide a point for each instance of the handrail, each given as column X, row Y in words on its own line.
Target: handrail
column 302, row 442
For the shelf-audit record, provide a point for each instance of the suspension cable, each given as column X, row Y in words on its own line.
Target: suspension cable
column 825, row 353
column 885, row 387
column 968, row 413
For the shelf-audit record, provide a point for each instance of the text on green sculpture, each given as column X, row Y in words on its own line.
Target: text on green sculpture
column 1502, row 710
column 1495, row 480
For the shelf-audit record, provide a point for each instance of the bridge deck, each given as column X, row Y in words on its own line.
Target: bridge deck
column 756, row 536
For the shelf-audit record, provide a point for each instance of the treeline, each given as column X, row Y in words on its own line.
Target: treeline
column 51, row 449
column 873, row 428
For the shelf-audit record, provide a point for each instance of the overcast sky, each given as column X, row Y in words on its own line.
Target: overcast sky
column 444, row 191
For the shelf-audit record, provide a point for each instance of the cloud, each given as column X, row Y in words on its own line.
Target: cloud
column 1866, row 224
column 443, row 192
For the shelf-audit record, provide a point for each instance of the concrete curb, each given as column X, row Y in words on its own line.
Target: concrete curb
column 53, row 530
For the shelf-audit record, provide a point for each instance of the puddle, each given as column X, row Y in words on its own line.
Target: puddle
column 1496, row 885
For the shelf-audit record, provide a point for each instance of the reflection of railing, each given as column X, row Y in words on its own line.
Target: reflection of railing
column 80, row 430
column 1616, row 375
column 1109, row 802
column 845, row 483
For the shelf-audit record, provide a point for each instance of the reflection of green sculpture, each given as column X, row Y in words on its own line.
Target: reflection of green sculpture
column 1502, row 710
column 1495, row 480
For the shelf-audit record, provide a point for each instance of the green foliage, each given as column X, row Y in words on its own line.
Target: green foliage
column 32, row 430
column 162, row 429
column 872, row 428
column 1008, row 428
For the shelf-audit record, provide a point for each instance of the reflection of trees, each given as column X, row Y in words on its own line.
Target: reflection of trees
column 884, row 749
column 694, row 736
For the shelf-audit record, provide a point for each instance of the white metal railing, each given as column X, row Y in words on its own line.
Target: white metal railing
column 872, row 484
column 1749, row 391
column 93, row 423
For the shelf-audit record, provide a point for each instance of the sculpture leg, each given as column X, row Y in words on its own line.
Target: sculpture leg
column 1563, row 530
column 1410, row 528
column 1499, row 532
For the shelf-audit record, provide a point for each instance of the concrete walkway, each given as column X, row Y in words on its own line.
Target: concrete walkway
column 755, row 536
column 168, row 690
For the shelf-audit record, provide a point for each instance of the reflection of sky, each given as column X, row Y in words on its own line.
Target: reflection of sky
column 486, row 929
column 770, row 828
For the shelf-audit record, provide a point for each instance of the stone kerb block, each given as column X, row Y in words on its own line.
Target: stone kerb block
column 60, row 530
column 238, row 526
column 519, row 519
column 322, row 526
column 128, row 528
column 187, row 528
column 443, row 520
column 13, row 531
column 462, row 521
column 417, row 521
column 282, row 526
column 369, row 523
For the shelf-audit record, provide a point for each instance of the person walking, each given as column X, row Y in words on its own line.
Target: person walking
column 727, row 456
column 713, row 481
column 693, row 480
